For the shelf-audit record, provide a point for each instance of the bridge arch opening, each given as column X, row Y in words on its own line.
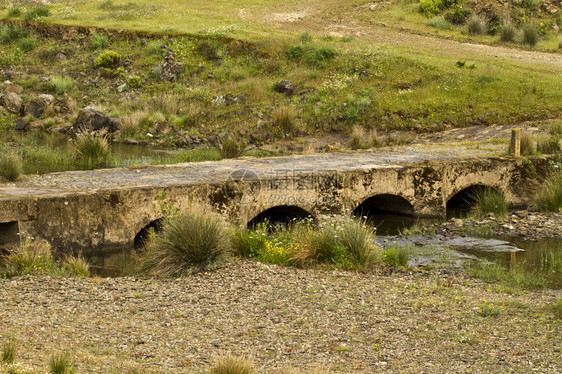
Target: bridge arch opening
column 462, row 202
column 144, row 234
column 387, row 213
column 280, row 215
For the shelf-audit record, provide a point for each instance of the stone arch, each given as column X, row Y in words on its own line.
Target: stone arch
column 142, row 236
column 281, row 214
column 384, row 204
column 464, row 199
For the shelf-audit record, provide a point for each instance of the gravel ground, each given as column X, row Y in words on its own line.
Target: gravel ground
column 416, row 321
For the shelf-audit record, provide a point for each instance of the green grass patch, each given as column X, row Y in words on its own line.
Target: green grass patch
column 490, row 200
column 549, row 197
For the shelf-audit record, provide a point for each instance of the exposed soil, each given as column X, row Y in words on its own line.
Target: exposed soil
column 410, row 322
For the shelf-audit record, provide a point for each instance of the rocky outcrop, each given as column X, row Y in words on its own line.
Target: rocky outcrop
column 91, row 119
column 37, row 106
column 285, row 86
column 171, row 69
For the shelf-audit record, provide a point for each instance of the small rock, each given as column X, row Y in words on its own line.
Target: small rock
column 20, row 124
column 11, row 101
column 122, row 87
column 285, row 86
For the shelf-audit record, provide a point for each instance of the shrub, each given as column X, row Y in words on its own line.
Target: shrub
column 457, row 15
column 232, row 148
column 320, row 56
column 14, row 12
column 11, row 166
column 490, row 200
column 476, row 25
column 188, row 242
column 231, row 365
column 60, row 363
column 397, row 255
column 108, row 59
column 550, row 195
column 305, row 38
column 296, row 52
column 10, row 33
column 59, row 84
column 98, row 40
column 75, row 266
column 344, row 242
column 37, row 12
column 92, row 149
column 530, row 34
column 27, row 44
column 440, row 23
column 284, row 120
column 507, row 32
column 430, row 8
column 32, row 257
column 9, row 350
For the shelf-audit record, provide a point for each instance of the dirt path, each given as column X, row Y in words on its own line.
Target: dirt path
column 353, row 323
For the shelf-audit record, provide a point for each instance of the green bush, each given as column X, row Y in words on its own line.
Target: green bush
column 549, row 197
column 11, row 166
column 305, row 38
column 37, row 12
column 108, row 59
column 530, row 34
column 489, row 200
column 430, row 8
column 27, row 44
column 507, row 33
column 476, row 25
column 321, row 56
column 14, row 13
column 92, row 149
column 457, row 15
column 296, row 52
column 188, row 242
column 10, row 33
column 98, row 40
column 250, row 242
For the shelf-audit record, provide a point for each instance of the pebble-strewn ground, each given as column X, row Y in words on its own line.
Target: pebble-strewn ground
column 356, row 323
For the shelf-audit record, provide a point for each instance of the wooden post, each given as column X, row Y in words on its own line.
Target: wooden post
column 515, row 147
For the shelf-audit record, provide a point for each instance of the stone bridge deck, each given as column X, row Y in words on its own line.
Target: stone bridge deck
column 99, row 209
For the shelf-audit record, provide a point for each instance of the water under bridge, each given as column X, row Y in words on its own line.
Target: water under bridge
column 110, row 208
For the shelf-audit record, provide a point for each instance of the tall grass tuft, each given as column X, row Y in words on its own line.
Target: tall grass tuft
column 490, row 200
column 229, row 364
column 30, row 258
column 9, row 350
column 361, row 138
column 59, row 84
column 550, row 195
column 397, row 255
column 75, row 266
column 548, row 145
column 530, row 34
column 232, row 148
column 92, row 149
column 285, row 121
column 60, row 363
column 508, row 32
column 476, row 25
column 250, row 242
column 10, row 33
column 11, row 166
column 188, row 242
column 98, row 40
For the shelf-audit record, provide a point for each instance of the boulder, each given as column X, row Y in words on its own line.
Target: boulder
column 8, row 86
column 11, row 101
column 285, row 86
column 162, row 127
column 37, row 106
column 20, row 124
column 91, row 119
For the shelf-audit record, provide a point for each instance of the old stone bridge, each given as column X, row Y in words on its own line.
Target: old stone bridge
column 105, row 209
